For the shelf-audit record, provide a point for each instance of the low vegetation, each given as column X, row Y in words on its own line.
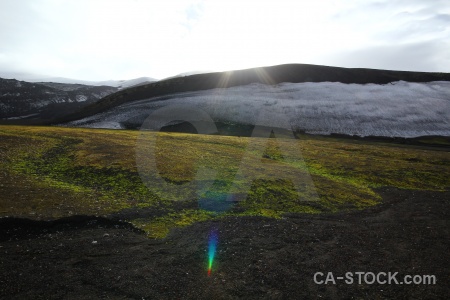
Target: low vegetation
column 51, row 172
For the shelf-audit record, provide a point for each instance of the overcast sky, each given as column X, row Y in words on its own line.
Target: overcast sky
column 124, row 39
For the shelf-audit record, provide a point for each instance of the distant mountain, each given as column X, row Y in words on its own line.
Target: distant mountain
column 184, row 74
column 128, row 107
column 290, row 73
column 123, row 84
column 304, row 98
column 120, row 84
column 398, row 109
column 21, row 100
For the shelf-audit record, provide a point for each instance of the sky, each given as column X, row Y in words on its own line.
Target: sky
column 125, row 39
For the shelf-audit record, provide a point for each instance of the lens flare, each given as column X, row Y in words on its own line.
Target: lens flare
column 212, row 246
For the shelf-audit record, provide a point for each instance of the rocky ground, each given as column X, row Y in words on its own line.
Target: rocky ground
column 257, row 258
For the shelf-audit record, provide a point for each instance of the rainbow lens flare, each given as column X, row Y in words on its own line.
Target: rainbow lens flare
column 212, row 246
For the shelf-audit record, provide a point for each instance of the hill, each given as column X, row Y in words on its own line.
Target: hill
column 21, row 101
column 36, row 78
column 293, row 73
column 399, row 109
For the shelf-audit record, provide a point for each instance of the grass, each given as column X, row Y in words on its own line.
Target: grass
column 51, row 172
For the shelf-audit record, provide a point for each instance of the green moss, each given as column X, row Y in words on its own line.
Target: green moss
column 160, row 227
column 63, row 171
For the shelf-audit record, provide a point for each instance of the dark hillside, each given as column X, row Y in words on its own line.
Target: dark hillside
column 267, row 75
column 21, row 101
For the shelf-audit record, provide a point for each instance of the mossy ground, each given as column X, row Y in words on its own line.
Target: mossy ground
column 51, row 172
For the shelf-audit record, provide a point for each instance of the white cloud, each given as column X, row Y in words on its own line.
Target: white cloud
column 100, row 39
column 428, row 56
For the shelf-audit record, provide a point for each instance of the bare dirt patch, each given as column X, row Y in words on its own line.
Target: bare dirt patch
column 257, row 258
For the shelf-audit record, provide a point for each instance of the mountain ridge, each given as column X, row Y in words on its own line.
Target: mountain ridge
column 34, row 78
column 271, row 75
column 22, row 100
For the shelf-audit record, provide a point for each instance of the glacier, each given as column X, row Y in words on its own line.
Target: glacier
column 397, row 109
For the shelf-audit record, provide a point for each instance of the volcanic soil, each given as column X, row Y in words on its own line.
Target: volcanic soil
column 257, row 258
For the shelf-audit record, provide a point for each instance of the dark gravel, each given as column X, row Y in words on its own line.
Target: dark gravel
column 258, row 258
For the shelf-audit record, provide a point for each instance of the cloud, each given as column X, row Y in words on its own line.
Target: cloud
column 424, row 56
column 78, row 36
column 119, row 39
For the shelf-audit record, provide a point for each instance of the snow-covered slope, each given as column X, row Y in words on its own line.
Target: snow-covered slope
column 21, row 100
column 398, row 109
column 121, row 84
